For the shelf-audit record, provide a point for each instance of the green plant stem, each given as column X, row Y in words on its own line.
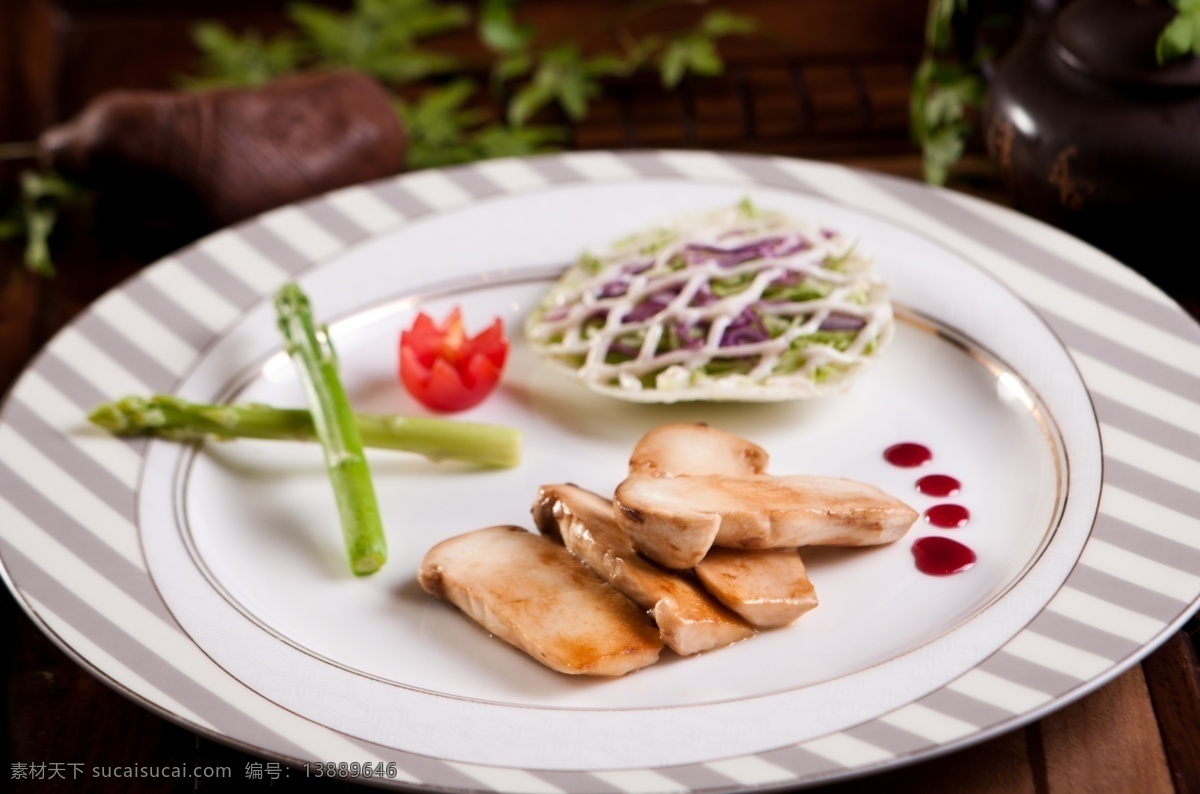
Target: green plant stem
column 34, row 214
column 165, row 416
column 336, row 429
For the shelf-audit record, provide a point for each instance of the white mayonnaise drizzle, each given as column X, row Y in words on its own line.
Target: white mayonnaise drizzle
column 557, row 328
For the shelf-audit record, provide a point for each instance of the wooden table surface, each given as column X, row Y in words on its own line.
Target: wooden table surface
column 1139, row 733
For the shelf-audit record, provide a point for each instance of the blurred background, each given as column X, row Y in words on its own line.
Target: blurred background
column 817, row 78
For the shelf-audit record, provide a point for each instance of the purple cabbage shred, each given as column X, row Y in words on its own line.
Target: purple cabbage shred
column 703, row 297
column 689, row 338
column 745, row 329
column 652, row 306
column 762, row 249
column 613, row 289
column 840, row 321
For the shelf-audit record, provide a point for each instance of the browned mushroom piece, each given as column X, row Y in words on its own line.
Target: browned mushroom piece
column 769, row 587
column 530, row 592
column 689, row 619
column 692, row 448
column 675, row 520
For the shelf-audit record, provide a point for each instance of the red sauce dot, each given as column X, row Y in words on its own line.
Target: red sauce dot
column 907, row 455
column 938, row 485
column 948, row 516
column 938, row 556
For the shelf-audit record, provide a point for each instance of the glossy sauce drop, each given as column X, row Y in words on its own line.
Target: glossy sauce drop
column 938, row 485
column 948, row 516
column 939, row 556
column 907, row 455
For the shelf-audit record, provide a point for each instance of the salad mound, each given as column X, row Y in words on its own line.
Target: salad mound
column 740, row 304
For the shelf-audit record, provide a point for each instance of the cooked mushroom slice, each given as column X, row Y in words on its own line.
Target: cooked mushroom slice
column 674, row 520
column 768, row 587
column 692, row 448
column 530, row 592
column 689, row 620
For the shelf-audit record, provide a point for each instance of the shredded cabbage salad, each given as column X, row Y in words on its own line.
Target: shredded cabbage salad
column 738, row 304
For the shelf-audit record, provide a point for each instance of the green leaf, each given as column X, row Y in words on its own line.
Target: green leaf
column 703, row 58
column 47, row 185
column 692, row 53
column 437, row 121
column 324, row 27
column 696, row 51
column 412, row 65
column 510, row 67
column 609, row 66
column 33, row 217
column 673, row 63
column 573, row 95
column 919, row 96
column 720, row 22
column 422, row 154
column 500, row 141
column 39, row 226
column 941, row 151
column 246, row 60
column 528, row 101
column 425, row 18
column 1175, row 40
column 639, row 50
column 948, row 102
column 499, row 31
column 1181, row 36
column 942, row 95
column 444, row 130
column 562, row 76
column 939, row 34
column 447, row 98
column 379, row 36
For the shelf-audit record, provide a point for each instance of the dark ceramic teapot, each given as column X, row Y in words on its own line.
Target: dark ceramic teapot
column 1096, row 138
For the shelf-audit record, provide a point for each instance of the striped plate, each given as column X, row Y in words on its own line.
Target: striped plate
column 97, row 547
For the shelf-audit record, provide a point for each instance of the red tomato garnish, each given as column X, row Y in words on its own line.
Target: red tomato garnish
column 444, row 368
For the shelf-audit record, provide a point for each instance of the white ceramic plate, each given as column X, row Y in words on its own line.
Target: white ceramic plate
column 210, row 582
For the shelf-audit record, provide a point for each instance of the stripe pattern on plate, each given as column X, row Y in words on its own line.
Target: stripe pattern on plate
column 67, row 492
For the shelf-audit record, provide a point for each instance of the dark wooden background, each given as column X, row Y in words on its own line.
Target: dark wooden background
column 829, row 80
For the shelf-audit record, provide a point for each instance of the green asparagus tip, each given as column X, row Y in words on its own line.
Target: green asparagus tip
column 133, row 415
column 290, row 302
column 127, row 416
column 109, row 417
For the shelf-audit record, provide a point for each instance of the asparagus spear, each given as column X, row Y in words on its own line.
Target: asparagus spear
column 316, row 363
column 166, row 416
